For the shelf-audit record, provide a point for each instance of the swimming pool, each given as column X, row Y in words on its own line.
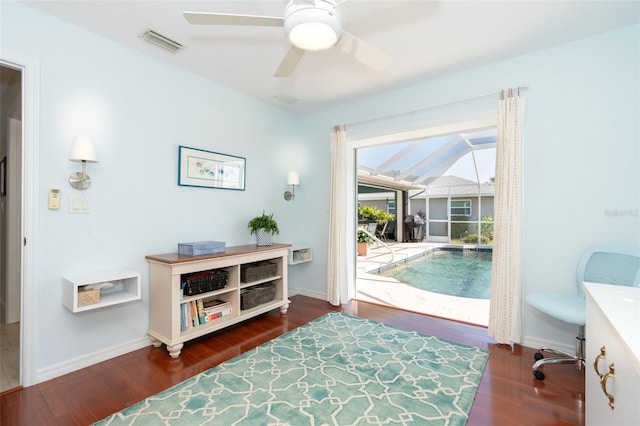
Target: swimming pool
column 461, row 273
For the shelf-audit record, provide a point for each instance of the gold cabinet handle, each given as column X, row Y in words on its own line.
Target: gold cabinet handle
column 597, row 361
column 603, row 382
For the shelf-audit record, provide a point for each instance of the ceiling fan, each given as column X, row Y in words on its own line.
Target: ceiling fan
column 309, row 25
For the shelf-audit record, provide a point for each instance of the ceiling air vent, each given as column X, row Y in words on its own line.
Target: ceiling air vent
column 283, row 97
column 161, row 40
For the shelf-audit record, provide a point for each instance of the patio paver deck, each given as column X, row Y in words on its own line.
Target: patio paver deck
column 375, row 288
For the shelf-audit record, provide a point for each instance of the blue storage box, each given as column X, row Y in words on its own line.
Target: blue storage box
column 201, row 247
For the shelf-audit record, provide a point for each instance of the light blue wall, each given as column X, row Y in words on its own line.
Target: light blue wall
column 144, row 110
column 580, row 161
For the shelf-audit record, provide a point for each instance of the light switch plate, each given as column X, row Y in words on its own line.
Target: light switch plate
column 79, row 205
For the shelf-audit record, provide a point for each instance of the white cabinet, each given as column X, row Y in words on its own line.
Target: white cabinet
column 87, row 291
column 168, row 302
column 299, row 254
column 612, row 355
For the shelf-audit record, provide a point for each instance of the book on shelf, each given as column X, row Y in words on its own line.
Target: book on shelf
column 201, row 311
column 201, row 314
column 186, row 319
column 194, row 313
column 216, row 308
column 212, row 315
column 183, row 324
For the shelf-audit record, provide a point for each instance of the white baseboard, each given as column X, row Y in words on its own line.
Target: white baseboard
column 535, row 342
column 84, row 361
column 308, row 293
column 78, row 363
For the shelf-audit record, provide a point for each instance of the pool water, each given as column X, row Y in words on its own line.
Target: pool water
column 456, row 273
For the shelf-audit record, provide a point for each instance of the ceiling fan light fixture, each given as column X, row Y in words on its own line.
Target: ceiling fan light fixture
column 312, row 27
column 313, row 36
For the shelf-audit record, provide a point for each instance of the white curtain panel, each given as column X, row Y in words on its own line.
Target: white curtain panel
column 337, row 267
column 505, row 314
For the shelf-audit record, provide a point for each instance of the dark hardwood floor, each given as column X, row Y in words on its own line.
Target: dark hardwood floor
column 508, row 393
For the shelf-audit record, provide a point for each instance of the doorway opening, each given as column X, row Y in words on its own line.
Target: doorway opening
column 442, row 188
column 11, row 88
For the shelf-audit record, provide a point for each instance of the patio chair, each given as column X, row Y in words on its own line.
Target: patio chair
column 390, row 231
column 371, row 227
column 381, row 230
column 598, row 264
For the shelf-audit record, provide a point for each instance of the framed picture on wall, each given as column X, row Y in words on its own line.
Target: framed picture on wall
column 3, row 177
column 197, row 167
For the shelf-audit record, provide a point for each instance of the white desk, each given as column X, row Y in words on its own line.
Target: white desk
column 613, row 322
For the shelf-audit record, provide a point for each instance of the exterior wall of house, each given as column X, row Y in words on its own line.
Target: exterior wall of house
column 438, row 210
column 438, row 229
column 438, row 207
column 487, row 206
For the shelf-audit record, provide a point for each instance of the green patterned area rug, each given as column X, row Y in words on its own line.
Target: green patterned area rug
column 336, row 370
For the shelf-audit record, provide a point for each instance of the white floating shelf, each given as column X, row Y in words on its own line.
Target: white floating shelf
column 299, row 254
column 118, row 286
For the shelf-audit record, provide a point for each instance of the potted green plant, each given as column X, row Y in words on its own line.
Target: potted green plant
column 364, row 240
column 264, row 226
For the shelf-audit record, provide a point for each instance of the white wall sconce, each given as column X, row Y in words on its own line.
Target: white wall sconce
column 293, row 180
column 84, row 150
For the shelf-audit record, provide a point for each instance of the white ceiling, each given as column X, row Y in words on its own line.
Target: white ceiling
column 425, row 39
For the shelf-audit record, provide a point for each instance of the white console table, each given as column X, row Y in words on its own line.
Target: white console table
column 165, row 298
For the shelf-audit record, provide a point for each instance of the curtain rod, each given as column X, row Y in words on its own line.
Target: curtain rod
column 462, row 101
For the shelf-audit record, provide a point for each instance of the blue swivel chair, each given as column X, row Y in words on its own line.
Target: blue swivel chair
column 598, row 264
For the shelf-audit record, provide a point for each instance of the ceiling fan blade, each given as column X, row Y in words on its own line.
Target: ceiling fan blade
column 363, row 52
column 206, row 18
column 290, row 62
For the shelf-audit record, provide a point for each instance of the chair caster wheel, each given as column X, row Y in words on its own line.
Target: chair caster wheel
column 538, row 374
column 538, row 356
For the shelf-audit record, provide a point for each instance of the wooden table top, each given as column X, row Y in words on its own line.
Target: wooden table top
column 172, row 258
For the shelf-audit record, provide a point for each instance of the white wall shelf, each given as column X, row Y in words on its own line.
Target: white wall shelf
column 299, row 254
column 120, row 286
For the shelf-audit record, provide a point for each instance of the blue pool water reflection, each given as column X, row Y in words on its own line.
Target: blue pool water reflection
column 461, row 273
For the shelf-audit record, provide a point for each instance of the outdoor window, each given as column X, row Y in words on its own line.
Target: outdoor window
column 391, row 206
column 461, row 208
